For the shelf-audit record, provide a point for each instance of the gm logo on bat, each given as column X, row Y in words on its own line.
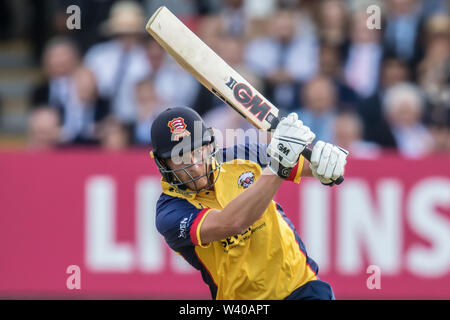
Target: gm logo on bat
column 244, row 95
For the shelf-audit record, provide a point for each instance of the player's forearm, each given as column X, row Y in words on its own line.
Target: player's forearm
column 249, row 206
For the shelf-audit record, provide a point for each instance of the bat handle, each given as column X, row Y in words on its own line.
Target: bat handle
column 307, row 152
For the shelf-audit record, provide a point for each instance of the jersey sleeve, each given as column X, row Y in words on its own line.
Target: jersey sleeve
column 249, row 151
column 258, row 153
column 179, row 222
column 296, row 172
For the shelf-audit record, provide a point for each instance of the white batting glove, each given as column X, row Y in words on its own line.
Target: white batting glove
column 289, row 140
column 328, row 162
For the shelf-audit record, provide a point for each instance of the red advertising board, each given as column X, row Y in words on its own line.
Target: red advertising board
column 384, row 233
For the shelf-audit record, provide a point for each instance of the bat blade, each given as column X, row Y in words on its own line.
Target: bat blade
column 213, row 72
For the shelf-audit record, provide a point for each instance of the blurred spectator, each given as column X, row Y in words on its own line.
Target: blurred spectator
column 288, row 55
column 376, row 129
column 44, row 128
column 330, row 66
column 332, row 23
column 403, row 27
column 149, row 105
column 175, row 86
column 113, row 134
column 319, row 107
column 364, row 56
column 234, row 18
column 179, row 8
column 441, row 136
column 348, row 134
column 225, row 124
column 120, row 63
column 403, row 108
column 184, row 8
column 434, row 69
column 71, row 89
column 60, row 60
column 315, row 57
column 210, row 30
column 231, row 50
column 259, row 10
column 91, row 109
column 431, row 7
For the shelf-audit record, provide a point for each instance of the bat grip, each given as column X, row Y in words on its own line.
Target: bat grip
column 307, row 152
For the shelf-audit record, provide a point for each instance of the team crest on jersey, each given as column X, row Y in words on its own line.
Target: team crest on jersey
column 246, row 179
column 178, row 128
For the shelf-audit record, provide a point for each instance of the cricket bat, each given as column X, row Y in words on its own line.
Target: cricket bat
column 213, row 72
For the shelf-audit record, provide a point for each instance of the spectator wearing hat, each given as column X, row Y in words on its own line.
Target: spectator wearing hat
column 118, row 64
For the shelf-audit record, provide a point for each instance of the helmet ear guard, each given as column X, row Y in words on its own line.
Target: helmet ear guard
column 165, row 171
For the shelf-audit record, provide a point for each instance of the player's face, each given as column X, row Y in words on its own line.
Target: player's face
column 192, row 170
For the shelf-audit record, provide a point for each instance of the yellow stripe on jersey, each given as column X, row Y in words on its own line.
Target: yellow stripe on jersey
column 298, row 174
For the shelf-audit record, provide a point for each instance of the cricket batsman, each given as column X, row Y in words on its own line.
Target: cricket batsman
column 217, row 209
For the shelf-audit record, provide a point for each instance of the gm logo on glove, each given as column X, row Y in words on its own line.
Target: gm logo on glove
column 283, row 149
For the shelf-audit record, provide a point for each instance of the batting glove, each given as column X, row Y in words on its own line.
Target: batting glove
column 289, row 140
column 327, row 162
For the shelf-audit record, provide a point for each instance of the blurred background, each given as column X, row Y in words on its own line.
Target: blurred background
column 81, row 82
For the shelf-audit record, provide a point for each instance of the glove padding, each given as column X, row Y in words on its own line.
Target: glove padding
column 289, row 140
column 327, row 162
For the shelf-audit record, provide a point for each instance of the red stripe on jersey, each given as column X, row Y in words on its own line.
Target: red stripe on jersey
column 194, row 226
column 293, row 172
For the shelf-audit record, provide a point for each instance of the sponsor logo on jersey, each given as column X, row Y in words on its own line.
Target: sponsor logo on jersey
column 184, row 226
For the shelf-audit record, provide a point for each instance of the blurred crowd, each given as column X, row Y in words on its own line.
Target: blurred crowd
column 365, row 89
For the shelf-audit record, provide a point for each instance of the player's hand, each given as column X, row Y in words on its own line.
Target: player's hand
column 327, row 162
column 289, row 140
